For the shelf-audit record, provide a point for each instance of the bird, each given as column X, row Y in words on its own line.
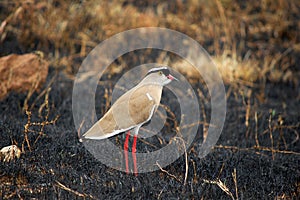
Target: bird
column 132, row 110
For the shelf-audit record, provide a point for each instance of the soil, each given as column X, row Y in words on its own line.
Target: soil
column 59, row 167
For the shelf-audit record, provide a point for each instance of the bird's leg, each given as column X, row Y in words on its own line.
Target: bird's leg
column 134, row 155
column 126, row 151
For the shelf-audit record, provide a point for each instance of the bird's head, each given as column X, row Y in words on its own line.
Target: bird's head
column 160, row 75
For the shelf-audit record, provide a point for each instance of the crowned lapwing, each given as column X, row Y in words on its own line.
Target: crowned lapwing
column 132, row 110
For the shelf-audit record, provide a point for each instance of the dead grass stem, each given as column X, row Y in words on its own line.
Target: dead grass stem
column 45, row 121
column 255, row 148
column 82, row 195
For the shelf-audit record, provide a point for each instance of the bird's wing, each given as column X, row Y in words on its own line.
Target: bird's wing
column 133, row 108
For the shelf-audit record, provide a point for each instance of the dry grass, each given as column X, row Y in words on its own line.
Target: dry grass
column 250, row 41
column 36, row 129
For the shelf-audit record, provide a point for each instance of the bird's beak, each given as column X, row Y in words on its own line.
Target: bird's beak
column 171, row 77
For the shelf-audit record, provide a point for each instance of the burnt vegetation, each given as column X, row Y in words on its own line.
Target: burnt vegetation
column 256, row 47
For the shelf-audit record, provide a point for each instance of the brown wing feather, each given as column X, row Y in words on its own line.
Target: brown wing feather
column 131, row 109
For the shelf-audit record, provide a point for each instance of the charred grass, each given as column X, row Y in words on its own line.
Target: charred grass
column 256, row 47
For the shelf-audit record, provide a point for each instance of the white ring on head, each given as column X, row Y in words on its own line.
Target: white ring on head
column 157, row 69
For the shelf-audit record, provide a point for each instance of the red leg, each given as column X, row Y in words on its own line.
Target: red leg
column 134, row 155
column 126, row 151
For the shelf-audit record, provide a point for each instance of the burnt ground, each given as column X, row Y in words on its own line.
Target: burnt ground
column 59, row 166
column 258, row 153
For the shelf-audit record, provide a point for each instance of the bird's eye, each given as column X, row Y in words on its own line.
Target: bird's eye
column 160, row 73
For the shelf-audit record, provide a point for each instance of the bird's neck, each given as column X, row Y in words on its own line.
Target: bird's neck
column 149, row 81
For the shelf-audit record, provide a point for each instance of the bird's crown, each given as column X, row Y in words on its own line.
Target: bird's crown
column 164, row 70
